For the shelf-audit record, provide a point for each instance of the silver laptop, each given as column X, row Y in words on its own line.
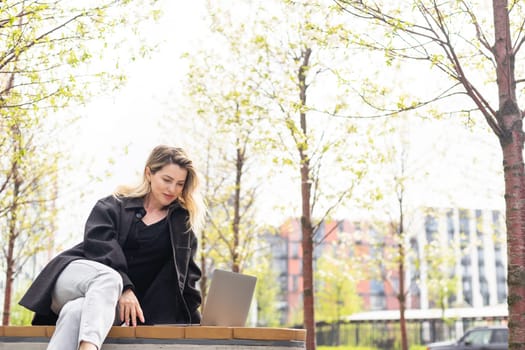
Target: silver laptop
column 229, row 298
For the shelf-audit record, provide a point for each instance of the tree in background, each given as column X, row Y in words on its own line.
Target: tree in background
column 397, row 232
column 222, row 89
column 279, row 62
column 455, row 39
column 44, row 67
column 293, row 66
column 266, row 289
column 442, row 282
column 404, row 175
column 337, row 274
column 27, row 210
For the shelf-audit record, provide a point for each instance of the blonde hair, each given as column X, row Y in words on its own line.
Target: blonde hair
column 190, row 198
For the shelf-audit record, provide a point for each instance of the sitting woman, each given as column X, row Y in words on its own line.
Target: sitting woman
column 136, row 264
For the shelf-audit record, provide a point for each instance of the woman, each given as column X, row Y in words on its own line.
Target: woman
column 137, row 257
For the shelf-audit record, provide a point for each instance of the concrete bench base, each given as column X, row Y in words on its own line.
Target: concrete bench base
column 167, row 337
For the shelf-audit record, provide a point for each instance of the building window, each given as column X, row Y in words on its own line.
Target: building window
column 467, row 290
column 295, row 283
column 464, row 228
column 450, row 225
column 377, row 295
column 431, row 227
column 294, row 249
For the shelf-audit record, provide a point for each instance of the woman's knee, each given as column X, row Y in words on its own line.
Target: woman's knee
column 111, row 279
column 104, row 277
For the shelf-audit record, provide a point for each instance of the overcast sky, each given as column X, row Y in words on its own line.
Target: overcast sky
column 118, row 129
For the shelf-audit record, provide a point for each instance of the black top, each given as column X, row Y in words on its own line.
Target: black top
column 147, row 249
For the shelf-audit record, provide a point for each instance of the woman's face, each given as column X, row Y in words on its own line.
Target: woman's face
column 166, row 184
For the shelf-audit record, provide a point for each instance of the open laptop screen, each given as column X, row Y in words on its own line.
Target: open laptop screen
column 229, row 299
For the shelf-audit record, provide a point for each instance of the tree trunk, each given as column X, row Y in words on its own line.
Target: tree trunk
column 509, row 119
column 9, row 278
column 204, row 238
column 402, row 293
column 402, row 298
column 204, row 279
column 236, row 209
column 308, row 279
column 514, row 198
column 306, row 219
column 12, row 226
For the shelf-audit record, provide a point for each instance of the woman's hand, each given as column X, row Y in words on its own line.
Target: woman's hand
column 129, row 308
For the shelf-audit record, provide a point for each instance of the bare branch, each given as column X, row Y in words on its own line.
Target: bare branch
column 327, row 234
column 334, row 205
column 478, row 99
column 519, row 41
column 17, row 51
column 479, row 32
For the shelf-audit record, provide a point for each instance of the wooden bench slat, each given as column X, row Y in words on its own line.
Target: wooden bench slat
column 300, row 334
column 23, row 331
column 172, row 332
column 261, row 333
column 206, row 332
column 122, row 332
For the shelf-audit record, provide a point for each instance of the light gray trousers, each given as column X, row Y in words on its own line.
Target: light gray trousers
column 85, row 298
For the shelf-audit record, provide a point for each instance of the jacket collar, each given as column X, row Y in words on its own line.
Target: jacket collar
column 138, row 203
column 174, row 205
column 133, row 203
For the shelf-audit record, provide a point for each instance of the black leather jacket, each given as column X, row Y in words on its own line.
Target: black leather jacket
column 173, row 296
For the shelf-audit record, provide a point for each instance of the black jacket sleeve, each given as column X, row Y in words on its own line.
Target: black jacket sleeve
column 101, row 235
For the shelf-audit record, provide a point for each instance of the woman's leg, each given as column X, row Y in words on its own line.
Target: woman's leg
column 93, row 289
column 67, row 328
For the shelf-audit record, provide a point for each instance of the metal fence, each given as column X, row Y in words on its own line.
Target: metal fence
column 387, row 334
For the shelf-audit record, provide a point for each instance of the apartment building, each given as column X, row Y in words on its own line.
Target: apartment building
column 473, row 241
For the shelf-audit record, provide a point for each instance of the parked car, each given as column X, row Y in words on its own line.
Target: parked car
column 478, row 338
